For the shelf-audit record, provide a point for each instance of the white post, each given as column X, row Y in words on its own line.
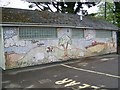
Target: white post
column 81, row 15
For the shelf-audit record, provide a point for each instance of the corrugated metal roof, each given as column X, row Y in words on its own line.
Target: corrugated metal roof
column 12, row 15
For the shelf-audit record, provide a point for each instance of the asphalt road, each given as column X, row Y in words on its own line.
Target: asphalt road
column 98, row 73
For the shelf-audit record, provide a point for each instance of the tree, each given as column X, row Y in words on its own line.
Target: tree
column 107, row 12
column 117, row 14
column 63, row 7
column 112, row 12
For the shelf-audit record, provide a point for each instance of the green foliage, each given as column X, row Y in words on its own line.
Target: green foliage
column 112, row 12
column 118, row 39
column 110, row 15
column 117, row 14
column 66, row 9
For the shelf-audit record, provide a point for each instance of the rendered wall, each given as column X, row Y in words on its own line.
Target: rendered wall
column 22, row 53
column 2, row 60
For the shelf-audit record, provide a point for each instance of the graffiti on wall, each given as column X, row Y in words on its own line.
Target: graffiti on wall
column 22, row 53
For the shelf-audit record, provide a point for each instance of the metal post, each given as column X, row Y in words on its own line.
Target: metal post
column 105, row 9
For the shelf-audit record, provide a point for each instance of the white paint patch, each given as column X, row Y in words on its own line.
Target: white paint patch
column 39, row 56
column 83, row 64
column 43, row 81
column 90, row 71
column 13, row 86
column 52, row 58
column 102, row 86
column 31, row 86
column 104, row 59
column 76, row 76
column 6, row 82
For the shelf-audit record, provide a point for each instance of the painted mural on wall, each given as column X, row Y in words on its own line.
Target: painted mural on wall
column 65, row 41
column 22, row 53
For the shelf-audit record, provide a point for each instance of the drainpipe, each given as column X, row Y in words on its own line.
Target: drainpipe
column 105, row 9
column 118, row 45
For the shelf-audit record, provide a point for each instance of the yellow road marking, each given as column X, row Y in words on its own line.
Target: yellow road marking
column 90, row 71
column 70, row 82
column 66, row 80
column 95, row 87
column 84, row 86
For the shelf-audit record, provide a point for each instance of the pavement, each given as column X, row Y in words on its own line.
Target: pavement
column 96, row 73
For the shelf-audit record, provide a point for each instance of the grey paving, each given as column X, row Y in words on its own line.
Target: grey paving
column 78, row 71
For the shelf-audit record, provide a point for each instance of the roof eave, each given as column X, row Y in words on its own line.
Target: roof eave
column 52, row 25
column 40, row 25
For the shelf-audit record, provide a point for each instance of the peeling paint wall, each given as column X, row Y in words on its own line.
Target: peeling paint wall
column 22, row 53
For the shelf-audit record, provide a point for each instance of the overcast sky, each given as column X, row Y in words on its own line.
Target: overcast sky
column 25, row 5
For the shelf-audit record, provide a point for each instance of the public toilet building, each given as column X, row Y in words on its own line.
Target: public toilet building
column 29, row 38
